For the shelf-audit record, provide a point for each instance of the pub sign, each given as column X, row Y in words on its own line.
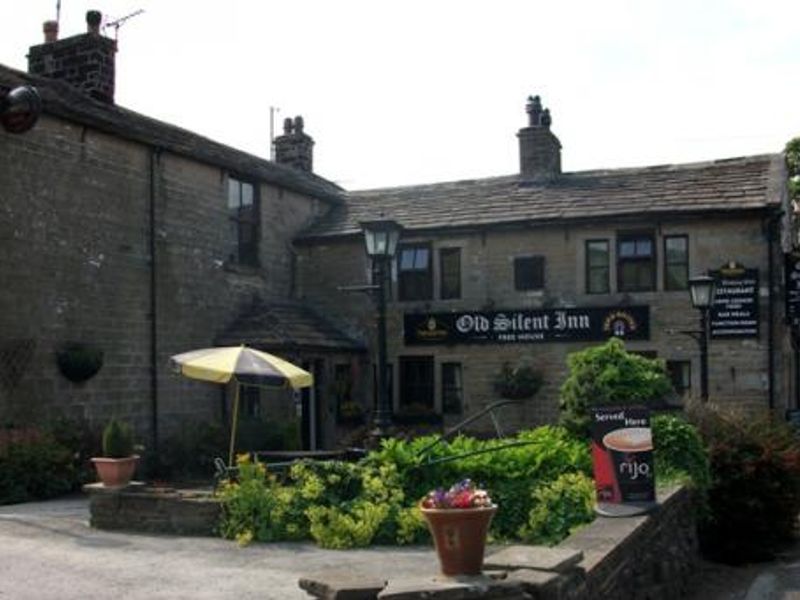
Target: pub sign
column 523, row 326
column 735, row 310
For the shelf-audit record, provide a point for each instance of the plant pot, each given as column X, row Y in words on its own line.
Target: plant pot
column 459, row 535
column 115, row 472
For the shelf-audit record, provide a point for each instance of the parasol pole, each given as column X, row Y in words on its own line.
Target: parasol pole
column 233, row 425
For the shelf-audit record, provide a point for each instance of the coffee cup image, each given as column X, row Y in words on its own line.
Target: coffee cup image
column 630, row 439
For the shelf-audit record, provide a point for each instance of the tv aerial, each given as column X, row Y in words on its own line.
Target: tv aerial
column 117, row 23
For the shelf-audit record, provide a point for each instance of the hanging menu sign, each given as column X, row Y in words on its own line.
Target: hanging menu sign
column 735, row 310
column 525, row 326
column 792, row 284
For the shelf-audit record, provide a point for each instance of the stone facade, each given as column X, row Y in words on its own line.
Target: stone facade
column 737, row 367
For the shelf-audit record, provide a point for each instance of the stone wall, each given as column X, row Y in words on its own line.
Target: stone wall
column 75, row 263
column 649, row 557
column 738, row 371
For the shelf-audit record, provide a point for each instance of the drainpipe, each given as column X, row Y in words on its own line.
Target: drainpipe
column 771, row 220
column 154, row 158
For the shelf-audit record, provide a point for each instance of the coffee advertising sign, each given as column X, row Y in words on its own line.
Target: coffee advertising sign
column 522, row 326
column 622, row 455
column 735, row 310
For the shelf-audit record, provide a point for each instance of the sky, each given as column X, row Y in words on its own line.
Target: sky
column 399, row 93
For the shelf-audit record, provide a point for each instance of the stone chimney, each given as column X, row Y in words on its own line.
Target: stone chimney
column 85, row 61
column 539, row 149
column 294, row 148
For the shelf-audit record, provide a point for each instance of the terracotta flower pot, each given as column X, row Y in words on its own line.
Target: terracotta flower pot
column 459, row 535
column 115, row 472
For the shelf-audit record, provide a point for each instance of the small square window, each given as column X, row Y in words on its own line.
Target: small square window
column 529, row 273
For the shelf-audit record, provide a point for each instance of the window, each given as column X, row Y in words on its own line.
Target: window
column 243, row 216
column 450, row 272
column 416, row 382
column 597, row 267
column 680, row 372
column 342, row 387
column 676, row 262
column 251, row 401
column 452, row 388
column 414, row 272
column 636, row 264
column 529, row 273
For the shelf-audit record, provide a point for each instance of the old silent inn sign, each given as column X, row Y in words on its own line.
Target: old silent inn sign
column 527, row 326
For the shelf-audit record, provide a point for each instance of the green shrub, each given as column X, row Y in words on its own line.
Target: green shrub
column 517, row 383
column 33, row 465
column 607, row 375
column 754, row 497
column 117, row 439
column 559, row 507
column 679, row 453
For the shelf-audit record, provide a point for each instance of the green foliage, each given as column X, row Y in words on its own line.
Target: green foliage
column 117, row 439
column 608, row 375
column 792, row 152
column 79, row 362
column 754, row 497
column 559, row 507
column 679, row 453
column 517, row 383
column 189, row 453
column 33, row 465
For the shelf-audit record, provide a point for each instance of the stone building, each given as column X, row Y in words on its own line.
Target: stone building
column 126, row 240
column 523, row 269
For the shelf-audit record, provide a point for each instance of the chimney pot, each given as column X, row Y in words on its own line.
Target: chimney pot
column 295, row 147
column 50, row 31
column 93, row 18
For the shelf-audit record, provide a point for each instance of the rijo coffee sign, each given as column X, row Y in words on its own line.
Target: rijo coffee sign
column 528, row 326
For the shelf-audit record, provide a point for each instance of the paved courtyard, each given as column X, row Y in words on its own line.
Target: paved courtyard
column 48, row 551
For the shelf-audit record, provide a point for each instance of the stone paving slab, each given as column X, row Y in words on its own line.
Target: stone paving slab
column 541, row 558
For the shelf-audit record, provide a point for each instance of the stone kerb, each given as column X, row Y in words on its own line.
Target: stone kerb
column 652, row 556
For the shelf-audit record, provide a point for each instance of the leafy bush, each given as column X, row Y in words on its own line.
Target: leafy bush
column 679, row 453
column 559, row 508
column 754, row 497
column 33, row 465
column 607, row 375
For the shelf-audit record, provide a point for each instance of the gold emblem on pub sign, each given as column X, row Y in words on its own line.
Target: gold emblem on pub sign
column 431, row 330
column 619, row 323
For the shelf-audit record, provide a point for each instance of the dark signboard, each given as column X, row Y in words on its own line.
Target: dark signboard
column 525, row 326
column 792, row 284
column 622, row 455
column 735, row 310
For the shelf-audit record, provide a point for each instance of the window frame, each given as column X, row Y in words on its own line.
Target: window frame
column 407, row 387
column 672, row 367
column 457, row 387
column 648, row 261
column 537, row 281
column 455, row 294
column 685, row 265
column 409, row 279
column 246, row 253
column 588, row 267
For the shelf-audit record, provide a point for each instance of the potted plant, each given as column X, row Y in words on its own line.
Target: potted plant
column 459, row 520
column 118, row 463
column 517, row 383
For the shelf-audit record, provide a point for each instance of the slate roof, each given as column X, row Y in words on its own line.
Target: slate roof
column 63, row 100
column 286, row 325
column 718, row 186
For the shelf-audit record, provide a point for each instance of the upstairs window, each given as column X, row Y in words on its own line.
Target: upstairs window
column 676, row 262
column 450, row 273
column 243, row 217
column 529, row 273
column 598, row 267
column 636, row 262
column 414, row 273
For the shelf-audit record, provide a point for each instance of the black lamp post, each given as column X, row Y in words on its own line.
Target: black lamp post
column 20, row 108
column 380, row 237
column 703, row 289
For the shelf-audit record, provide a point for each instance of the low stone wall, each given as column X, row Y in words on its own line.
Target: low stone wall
column 648, row 557
column 153, row 509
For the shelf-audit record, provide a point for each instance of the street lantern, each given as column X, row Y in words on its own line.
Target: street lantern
column 703, row 290
column 380, row 238
column 20, row 108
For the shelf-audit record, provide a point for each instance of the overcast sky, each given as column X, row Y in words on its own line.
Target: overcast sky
column 412, row 91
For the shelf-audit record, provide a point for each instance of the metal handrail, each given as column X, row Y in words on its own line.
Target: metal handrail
column 459, row 426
